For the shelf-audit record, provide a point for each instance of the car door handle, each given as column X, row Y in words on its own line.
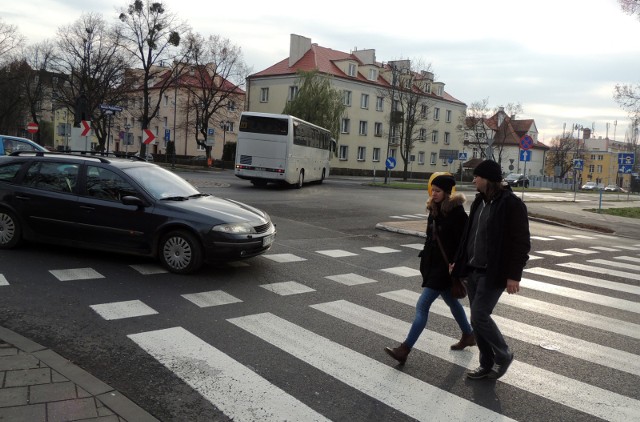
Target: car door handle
column 87, row 207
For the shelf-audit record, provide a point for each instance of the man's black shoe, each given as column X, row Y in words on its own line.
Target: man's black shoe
column 499, row 369
column 479, row 373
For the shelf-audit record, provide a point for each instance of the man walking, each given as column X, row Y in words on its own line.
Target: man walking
column 492, row 254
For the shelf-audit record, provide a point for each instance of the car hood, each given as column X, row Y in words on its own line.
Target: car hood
column 220, row 209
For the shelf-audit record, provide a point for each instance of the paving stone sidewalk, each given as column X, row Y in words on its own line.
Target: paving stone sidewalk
column 37, row 384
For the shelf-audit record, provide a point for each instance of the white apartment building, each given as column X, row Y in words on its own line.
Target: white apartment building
column 365, row 83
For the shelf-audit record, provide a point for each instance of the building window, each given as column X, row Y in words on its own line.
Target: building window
column 445, row 161
column 447, row 116
column 346, row 98
column 447, row 138
column 345, row 126
column 421, row 158
column 434, row 158
column 395, row 138
column 422, row 134
column 373, row 74
column 166, row 100
column 436, row 113
column 364, row 101
column 231, row 105
column 362, row 153
column 423, row 111
column 363, row 127
column 352, row 69
column 392, row 153
column 376, row 155
column 164, row 121
column 428, row 89
column 434, row 136
column 592, row 167
column 264, row 95
column 599, row 168
column 293, row 93
column 343, row 153
column 377, row 129
column 379, row 103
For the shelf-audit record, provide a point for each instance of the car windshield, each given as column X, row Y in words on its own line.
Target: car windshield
column 161, row 183
column 514, row 176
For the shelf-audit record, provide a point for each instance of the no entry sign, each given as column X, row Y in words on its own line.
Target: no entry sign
column 32, row 127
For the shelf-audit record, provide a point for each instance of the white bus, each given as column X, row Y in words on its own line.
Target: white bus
column 282, row 148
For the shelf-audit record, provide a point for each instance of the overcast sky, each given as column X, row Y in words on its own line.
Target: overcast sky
column 560, row 59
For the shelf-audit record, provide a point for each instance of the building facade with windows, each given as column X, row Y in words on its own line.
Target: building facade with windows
column 367, row 135
column 601, row 161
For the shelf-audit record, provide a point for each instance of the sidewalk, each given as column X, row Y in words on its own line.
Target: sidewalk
column 37, row 384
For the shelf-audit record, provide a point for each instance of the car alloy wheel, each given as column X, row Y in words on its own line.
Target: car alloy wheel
column 180, row 252
column 10, row 232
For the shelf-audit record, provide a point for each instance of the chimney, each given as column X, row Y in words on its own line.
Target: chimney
column 298, row 47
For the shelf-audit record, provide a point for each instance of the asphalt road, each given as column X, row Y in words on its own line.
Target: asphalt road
column 298, row 333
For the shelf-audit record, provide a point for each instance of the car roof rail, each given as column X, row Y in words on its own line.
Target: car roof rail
column 92, row 154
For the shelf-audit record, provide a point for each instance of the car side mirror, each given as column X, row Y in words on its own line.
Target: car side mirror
column 133, row 200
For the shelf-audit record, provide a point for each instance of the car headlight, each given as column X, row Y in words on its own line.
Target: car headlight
column 234, row 228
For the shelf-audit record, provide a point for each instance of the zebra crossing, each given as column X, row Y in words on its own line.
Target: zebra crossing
column 242, row 393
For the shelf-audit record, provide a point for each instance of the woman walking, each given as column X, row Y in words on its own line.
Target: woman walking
column 446, row 221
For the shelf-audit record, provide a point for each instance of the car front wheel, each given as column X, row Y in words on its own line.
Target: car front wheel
column 180, row 252
column 10, row 231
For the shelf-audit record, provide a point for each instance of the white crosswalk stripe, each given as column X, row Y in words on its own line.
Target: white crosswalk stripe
column 382, row 382
column 577, row 278
column 599, row 270
column 236, row 390
column 572, row 393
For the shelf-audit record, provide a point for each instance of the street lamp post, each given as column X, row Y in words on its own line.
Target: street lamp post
column 578, row 128
column 224, row 126
column 394, row 70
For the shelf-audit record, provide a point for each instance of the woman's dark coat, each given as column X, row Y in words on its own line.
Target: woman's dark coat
column 434, row 268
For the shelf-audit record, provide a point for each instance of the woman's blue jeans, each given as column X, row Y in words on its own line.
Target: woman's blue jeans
column 427, row 297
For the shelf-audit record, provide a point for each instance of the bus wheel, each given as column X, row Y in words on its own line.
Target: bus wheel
column 259, row 183
column 324, row 173
column 300, row 179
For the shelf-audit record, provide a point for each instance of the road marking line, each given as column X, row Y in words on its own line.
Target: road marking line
column 625, row 305
column 380, row 249
column 287, row 288
column 76, row 274
column 351, row 279
column 553, row 253
column 582, row 251
column 284, row 258
column 560, row 389
column 382, row 382
column 236, row 390
column 606, row 271
column 3, row 280
column 605, row 248
column 336, row 253
column 402, row 271
column 212, row 298
column 121, row 310
column 590, row 281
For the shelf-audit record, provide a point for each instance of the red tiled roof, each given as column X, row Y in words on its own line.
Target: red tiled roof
column 324, row 60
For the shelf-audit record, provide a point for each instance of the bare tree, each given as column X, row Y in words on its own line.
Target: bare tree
column 563, row 150
column 10, row 41
column 474, row 123
column 215, row 78
column 13, row 106
column 410, row 99
column 150, row 36
column 90, row 67
column 630, row 7
column 628, row 95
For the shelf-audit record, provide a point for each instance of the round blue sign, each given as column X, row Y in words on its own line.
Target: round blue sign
column 390, row 163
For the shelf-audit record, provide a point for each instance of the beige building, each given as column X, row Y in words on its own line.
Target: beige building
column 367, row 87
column 601, row 162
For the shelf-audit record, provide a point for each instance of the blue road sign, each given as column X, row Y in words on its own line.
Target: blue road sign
column 578, row 164
column 626, row 158
column 450, row 160
column 167, row 134
column 525, row 155
column 390, row 163
column 625, row 169
column 462, row 156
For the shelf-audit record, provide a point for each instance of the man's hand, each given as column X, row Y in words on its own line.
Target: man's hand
column 513, row 286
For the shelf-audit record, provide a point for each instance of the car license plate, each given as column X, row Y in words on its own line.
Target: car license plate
column 268, row 240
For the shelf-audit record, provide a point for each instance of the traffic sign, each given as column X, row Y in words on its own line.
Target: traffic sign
column 526, row 142
column 390, row 163
column 626, row 158
column 525, row 155
column 150, row 137
column 167, row 134
column 450, row 160
column 462, row 156
column 578, row 164
column 110, row 109
column 32, row 127
column 86, row 127
column 625, row 169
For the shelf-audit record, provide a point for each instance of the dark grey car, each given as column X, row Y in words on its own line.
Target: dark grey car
column 124, row 205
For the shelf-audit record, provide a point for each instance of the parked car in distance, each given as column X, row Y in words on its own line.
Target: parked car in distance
column 516, row 179
column 124, row 205
column 592, row 186
column 148, row 156
column 9, row 144
column 613, row 188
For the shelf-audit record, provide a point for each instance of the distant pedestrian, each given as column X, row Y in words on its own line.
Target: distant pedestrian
column 446, row 221
column 492, row 254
